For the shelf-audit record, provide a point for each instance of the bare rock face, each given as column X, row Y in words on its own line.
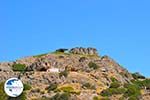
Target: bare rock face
column 5, row 67
column 38, row 66
column 84, row 51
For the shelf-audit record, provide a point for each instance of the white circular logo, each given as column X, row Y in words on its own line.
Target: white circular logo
column 13, row 87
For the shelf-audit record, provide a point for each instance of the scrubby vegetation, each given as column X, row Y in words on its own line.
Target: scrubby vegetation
column 96, row 98
column 62, row 96
column 61, row 50
column 100, row 98
column 138, row 76
column 115, row 85
column 113, row 79
column 85, row 77
column 51, row 87
column 3, row 96
column 69, row 89
column 19, row 67
column 93, row 65
column 40, row 55
column 112, row 91
column 142, row 84
column 131, row 91
column 27, row 87
column 88, row 86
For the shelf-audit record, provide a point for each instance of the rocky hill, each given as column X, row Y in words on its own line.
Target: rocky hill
column 76, row 74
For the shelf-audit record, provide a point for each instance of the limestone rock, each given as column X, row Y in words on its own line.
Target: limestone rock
column 84, row 51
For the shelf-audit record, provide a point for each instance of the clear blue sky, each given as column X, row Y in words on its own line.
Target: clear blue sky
column 118, row 28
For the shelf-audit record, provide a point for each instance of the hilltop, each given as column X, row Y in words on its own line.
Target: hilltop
column 75, row 74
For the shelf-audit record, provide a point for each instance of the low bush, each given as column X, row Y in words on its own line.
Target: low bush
column 88, row 86
column 100, row 98
column 45, row 98
column 132, row 91
column 19, row 67
column 62, row 96
column 3, row 96
column 138, row 76
column 51, row 87
column 93, row 65
column 113, row 79
column 142, row 84
column 111, row 91
column 115, row 85
column 133, row 98
column 68, row 89
column 27, row 87
column 40, row 55
column 61, row 50
column 96, row 98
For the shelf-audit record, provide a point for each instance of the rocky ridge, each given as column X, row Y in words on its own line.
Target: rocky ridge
column 82, row 73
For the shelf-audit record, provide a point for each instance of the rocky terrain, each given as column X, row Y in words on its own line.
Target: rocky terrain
column 76, row 74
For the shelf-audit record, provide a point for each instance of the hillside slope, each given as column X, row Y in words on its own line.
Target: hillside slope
column 76, row 74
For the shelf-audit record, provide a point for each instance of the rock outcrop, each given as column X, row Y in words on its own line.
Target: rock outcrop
column 84, row 51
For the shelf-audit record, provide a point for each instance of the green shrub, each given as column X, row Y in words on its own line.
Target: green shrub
column 19, row 67
column 63, row 73
column 147, row 83
column 62, row 96
column 111, row 91
column 40, row 55
column 122, row 98
column 142, row 84
column 113, row 79
column 27, row 87
column 115, row 85
column 138, row 76
column 51, row 87
column 132, row 90
column 61, row 50
column 93, row 65
column 133, row 98
column 88, row 86
column 105, row 98
column 96, row 98
column 3, row 96
column 45, row 98
column 68, row 89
